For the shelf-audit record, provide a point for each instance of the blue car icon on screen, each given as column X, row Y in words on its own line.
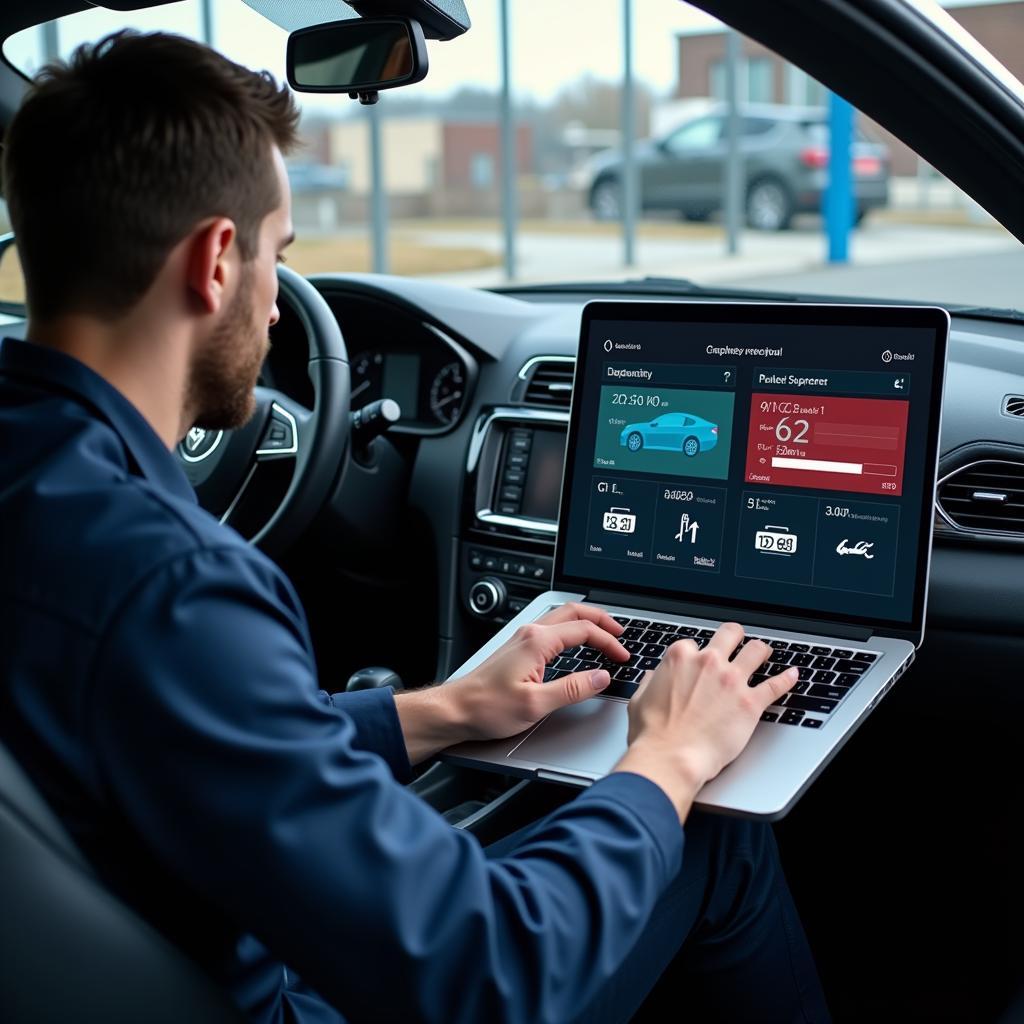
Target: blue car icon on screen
column 673, row 432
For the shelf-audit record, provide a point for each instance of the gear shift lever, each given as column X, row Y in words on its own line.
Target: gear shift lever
column 372, row 678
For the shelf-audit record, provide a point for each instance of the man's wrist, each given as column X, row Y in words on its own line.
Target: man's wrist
column 667, row 767
column 431, row 720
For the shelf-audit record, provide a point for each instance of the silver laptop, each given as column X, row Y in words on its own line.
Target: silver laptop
column 771, row 464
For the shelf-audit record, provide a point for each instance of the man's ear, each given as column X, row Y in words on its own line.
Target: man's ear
column 207, row 265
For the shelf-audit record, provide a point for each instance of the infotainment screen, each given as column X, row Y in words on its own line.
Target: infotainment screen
column 756, row 455
column 544, row 475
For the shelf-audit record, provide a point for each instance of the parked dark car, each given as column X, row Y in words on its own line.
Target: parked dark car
column 785, row 167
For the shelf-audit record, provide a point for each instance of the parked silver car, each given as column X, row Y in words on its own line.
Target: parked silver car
column 785, row 167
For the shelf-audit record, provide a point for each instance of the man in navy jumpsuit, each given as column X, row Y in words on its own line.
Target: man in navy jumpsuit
column 157, row 678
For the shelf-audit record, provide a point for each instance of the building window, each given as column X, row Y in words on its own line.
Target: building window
column 481, row 170
column 802, row 90
column 759, row 80
column 754, row 80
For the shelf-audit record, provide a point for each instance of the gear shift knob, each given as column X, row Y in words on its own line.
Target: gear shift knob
column 372, row 678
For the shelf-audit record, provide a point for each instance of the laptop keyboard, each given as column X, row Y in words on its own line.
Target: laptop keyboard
column 827, row 674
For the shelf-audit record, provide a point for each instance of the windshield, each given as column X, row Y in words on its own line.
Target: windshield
column 917, row 237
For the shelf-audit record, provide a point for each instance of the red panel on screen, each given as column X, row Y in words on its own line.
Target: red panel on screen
column 836, row 444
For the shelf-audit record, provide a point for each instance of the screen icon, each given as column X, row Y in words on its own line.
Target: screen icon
column 862, row 548
column 687, row 526
column 619, row 520
column 775, row 540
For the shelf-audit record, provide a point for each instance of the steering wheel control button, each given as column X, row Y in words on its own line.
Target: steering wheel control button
column 487, row 596
column 281, row 436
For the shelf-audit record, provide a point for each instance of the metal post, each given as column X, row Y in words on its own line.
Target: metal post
column 207, row 16
column 630, row 191
column 839, row 192
column 378, row 196
column 51, row 42
column 733, row 166
column 509, row 161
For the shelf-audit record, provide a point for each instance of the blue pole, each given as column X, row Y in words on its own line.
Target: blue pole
column 839, row 191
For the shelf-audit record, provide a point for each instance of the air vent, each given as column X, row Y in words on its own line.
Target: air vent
column 985, row 497
column 1013, row 405
column 550, row 383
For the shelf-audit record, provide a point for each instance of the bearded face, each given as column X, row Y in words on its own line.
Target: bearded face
column 224, row 370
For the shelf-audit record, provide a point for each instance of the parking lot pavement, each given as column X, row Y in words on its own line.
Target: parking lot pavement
column 894, row 259
column 977, row 278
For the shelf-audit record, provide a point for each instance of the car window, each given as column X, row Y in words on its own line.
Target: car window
column 698, row 135
column 757, row 125
column 917, row 236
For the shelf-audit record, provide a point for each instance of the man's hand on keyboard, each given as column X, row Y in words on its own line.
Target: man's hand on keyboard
column 505, row 696
column 695, row 712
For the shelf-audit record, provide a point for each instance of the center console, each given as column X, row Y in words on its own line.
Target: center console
column 514, row 477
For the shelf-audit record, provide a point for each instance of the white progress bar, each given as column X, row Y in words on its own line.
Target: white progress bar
column 824, row 466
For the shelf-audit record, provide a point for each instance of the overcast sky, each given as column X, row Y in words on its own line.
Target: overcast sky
column 552, row 44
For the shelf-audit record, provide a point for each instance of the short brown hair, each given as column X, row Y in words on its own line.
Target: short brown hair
column 117, row 154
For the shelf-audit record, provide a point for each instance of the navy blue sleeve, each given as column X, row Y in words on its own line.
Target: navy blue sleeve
column 378, row 729
column 246, row 784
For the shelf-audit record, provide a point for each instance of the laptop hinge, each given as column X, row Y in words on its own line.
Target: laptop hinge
column 748, row 617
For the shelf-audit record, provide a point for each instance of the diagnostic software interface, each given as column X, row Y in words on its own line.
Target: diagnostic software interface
column 783, row 465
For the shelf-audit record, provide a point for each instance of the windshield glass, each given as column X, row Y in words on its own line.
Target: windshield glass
column 917, row 236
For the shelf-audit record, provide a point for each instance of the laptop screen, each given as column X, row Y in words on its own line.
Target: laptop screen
column 771, row 457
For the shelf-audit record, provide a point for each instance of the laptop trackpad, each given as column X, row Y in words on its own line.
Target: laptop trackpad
column 588, row 737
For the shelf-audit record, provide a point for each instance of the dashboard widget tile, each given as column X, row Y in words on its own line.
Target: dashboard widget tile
column 777, row 537
column 665, row 431
column 688, row 528
column 621, row 519
column 842, row 444
column 857, row 546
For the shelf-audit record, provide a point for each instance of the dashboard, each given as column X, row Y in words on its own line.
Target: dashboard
column 487, row 378
column 394, row 354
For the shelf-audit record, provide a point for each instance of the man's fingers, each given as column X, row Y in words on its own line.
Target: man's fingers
column 726, row 639
column 555, row 637
column 572, row 689
column 754, row 654
column 775, row 686
column 569, row 612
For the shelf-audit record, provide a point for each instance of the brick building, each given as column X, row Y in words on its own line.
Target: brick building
column 765, row 77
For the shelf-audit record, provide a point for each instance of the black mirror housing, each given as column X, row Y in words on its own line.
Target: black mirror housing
column 359, row 56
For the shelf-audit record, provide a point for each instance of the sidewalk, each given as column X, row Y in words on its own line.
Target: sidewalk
column 552, row 257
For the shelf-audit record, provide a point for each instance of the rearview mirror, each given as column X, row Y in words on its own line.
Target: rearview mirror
column 359, row 56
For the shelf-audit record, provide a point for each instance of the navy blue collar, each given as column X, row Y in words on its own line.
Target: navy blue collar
column 61, row 373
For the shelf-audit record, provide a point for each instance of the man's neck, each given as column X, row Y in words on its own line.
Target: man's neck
column 147, row 366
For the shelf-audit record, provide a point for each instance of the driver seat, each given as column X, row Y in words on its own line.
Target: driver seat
column 69, row 950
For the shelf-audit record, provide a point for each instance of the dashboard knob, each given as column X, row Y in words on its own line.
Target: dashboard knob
column 487, row 596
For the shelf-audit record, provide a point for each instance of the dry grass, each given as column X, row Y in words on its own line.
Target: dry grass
column 958, row 217
column 405, row 256
column 577, row 228
column 318, row 256
column 12, row 287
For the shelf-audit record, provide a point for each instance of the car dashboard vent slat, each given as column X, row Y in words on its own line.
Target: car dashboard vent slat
column 985, row 497
column 550, row 384
column 1013, row 405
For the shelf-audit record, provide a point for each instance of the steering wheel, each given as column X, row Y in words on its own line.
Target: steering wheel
column 227, row 468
